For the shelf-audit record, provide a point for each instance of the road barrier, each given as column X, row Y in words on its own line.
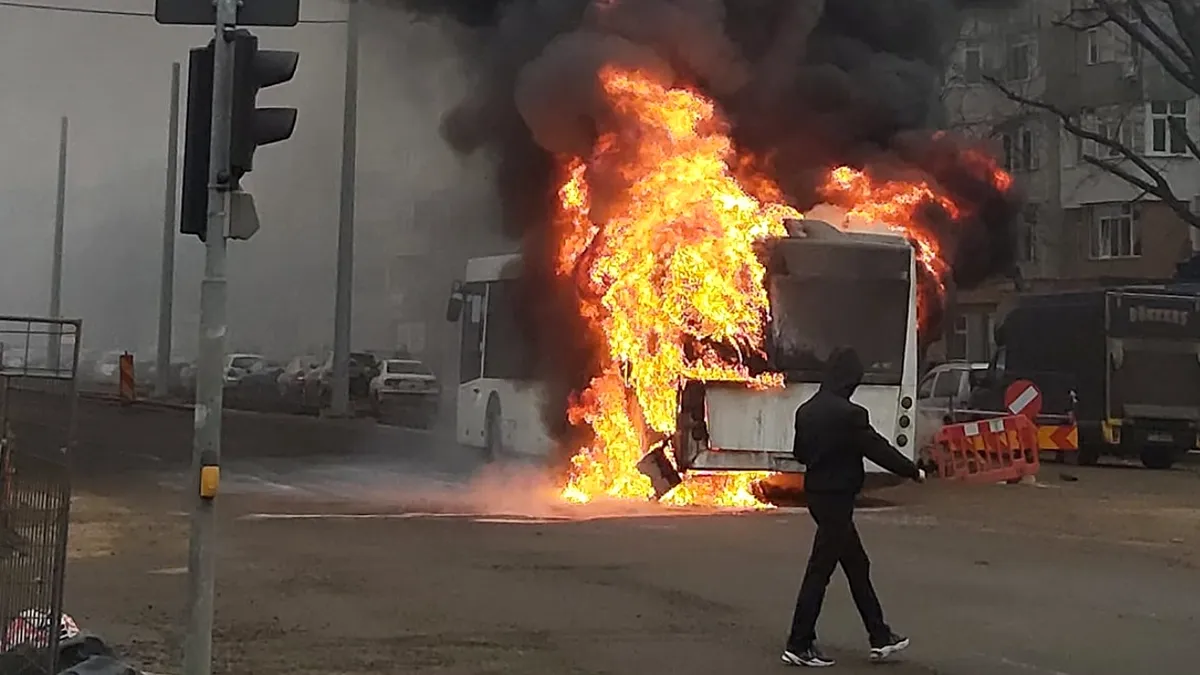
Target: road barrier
column 1056, row 433
column 1002, row 449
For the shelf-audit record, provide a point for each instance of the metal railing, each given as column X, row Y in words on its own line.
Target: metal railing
column 38, row 401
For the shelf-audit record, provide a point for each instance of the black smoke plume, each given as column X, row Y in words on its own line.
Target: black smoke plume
column 805, row 84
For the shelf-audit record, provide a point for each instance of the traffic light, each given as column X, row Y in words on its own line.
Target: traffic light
column 250, row 126
column 193, row 198
column 255, row 69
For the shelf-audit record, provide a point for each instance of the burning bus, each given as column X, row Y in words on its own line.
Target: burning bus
column 825, row 287
column 696, row 305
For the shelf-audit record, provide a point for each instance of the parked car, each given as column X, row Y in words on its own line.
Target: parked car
column 407, row 391
column 364, row 366
column 291, row 381
column 257, row 389
column 107, row 367
column 238, row 366
column 946, row 388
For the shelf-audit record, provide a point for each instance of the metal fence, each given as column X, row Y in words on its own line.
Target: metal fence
column 38, row 402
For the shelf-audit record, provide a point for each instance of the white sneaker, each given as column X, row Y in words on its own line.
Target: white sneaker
column 893, row 645
column 809, row 658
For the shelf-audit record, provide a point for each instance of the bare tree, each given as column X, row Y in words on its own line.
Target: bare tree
column 1167, row 31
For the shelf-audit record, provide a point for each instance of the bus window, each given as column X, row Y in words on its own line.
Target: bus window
column 507, row 354
column 471, row 353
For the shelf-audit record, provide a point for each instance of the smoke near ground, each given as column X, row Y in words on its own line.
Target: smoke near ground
column 446, row 483
column 805, row 85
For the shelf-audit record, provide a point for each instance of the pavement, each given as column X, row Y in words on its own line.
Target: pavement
column 351, row 548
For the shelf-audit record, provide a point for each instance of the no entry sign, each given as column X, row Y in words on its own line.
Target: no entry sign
column 1023, row 398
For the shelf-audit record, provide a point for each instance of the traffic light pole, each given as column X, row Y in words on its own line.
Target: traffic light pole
column 206, row 450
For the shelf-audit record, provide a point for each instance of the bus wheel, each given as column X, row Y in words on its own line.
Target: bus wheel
column 1158, row 458
column 492, row 446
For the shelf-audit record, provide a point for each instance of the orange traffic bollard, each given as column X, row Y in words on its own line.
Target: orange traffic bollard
column 127, row 390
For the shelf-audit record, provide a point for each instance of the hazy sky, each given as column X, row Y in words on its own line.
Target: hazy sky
column 110, row 75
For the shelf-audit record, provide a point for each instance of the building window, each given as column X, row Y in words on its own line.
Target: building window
column 1168, row 124
column 1020, row 150
column 1019, row 64
column 960, row 326
column 979, row 336
column 973, row 64
column 1102, row 45
column 1115, row 232
column 1027, row 234
column 1025, row 243
column 1125, row 129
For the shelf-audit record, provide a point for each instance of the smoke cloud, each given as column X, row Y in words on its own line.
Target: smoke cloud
column 806, row 85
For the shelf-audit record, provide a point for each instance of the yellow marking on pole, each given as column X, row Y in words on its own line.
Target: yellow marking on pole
column 210, row 477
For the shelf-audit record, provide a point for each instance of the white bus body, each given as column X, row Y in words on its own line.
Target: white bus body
column 499, row 405
column 723, row 427
column 846, row 289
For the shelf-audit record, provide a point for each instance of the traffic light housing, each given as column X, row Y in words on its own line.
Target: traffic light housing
column 256, row 69
column 193, row 198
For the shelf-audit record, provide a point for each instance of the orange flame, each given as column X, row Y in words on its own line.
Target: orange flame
column 668, row 276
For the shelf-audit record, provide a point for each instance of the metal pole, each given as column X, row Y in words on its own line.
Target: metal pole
column 206, row 450
column 166, row 289
column 340, row 402
column 54, row 349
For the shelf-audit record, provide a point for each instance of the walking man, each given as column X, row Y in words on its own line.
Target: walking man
column 833, row 436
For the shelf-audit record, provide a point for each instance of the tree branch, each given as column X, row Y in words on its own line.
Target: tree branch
column 1180, row 208
column 1169, row 61
column 1066, row 22
column 1154, row 183
column 1157, row 30
column 1183, row 15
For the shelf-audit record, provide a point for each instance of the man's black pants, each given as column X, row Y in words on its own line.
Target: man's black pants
column 836, row 542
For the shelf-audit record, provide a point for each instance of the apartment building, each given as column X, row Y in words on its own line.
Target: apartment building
column 1081, row 227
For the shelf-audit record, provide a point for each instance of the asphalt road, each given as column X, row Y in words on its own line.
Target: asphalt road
column 388, row 551
column 404, row 593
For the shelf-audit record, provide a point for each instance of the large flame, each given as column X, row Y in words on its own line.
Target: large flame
column 669, row 279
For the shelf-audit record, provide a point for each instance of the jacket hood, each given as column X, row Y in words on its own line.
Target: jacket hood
column 843, row 372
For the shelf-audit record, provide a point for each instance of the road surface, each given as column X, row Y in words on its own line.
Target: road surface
column 398, row 556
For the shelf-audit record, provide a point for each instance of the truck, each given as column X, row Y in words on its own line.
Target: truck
column 826, row 287
column 1123, row 362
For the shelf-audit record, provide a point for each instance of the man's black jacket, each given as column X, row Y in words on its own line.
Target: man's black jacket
column 833, row 435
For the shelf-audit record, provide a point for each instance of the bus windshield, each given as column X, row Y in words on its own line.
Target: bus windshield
column 824, row 296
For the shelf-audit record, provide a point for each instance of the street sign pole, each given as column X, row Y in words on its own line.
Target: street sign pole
column 206, row 450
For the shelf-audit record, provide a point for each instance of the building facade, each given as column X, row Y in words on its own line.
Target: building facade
column 1081, row 227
